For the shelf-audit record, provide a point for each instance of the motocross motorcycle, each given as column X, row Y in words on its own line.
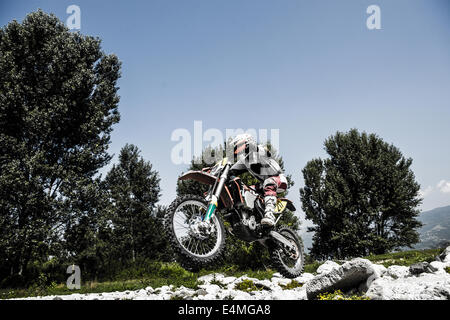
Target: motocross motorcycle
column 196, row 229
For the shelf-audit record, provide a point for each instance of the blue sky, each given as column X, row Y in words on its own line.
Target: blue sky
column 307, row 68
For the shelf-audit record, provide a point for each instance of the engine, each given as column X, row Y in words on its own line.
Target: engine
column 250, row 207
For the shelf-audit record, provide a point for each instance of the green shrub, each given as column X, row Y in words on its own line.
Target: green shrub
column 312, row 267
column 247, row 286
column 291, row 285
column 216, row 282
column 338, row 295
column 173, row 270
column 405, row 258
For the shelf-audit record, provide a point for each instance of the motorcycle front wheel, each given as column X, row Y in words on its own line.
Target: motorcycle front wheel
column 195, row 243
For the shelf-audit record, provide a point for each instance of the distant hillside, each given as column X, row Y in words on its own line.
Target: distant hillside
column 435, row 232
column 436, row 228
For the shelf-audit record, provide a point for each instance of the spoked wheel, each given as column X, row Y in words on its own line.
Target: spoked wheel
column 289, row 262
column 197, row 243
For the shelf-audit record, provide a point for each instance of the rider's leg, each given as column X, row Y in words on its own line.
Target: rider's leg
column 270, row 200
column 272, row 186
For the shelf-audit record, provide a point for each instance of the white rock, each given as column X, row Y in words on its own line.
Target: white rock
column 427, row 286
column 210, row 277
column 206, row 297
column 397, row 272
column 267, row 284
column 211, row 288
column 379, row 269
column 261, row 295
column 438, row 265
column 280, row 281
column 227, row 280
column 305, row 277
column 277, row 275
column 206, row 278
column 350, row 275
column 241, row 295
column 142, row 292
column 327, row 266
column 184, row 292
column 446, row 255
column 296, row 294
column 164, row 289
column 164, row 296
column 149, row 290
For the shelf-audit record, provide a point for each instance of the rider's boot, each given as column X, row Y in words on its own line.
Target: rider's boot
column 269, row 218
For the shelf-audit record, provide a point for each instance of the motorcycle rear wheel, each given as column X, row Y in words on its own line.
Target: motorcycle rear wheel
column 289, row 264
column 194, row 250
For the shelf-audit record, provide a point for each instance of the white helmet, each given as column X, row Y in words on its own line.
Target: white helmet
column 243, row 143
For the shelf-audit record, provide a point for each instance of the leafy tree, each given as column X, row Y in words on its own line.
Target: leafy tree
column 58, row 102
column 161, row 248
column 134, row 191
column 363, row 199
column 87, row 235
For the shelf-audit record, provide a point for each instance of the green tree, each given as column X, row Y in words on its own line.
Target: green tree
column 134, row 191
column 87, row 231
column 58, row 102
column 362, row 199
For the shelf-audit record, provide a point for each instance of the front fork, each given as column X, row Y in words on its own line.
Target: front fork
column 215, row 197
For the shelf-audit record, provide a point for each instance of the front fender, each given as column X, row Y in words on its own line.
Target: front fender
column 209, row 179
column 199, row 176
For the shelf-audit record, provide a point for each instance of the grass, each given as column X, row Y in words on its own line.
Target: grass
column 97, row 287
column 312, row 267
column 247, row 286
column 217, row 283
column 338, row 295
column 233, row 271
column 162, row 274
column 405, row 258
column 291, row 285
column 158, row 274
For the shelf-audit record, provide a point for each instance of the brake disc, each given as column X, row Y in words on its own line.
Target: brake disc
column 201, row 229
column 293, row 254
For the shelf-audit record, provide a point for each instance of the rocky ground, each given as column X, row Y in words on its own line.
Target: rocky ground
column 422, row 281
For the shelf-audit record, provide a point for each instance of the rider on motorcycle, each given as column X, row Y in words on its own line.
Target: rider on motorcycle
column 256, row 159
